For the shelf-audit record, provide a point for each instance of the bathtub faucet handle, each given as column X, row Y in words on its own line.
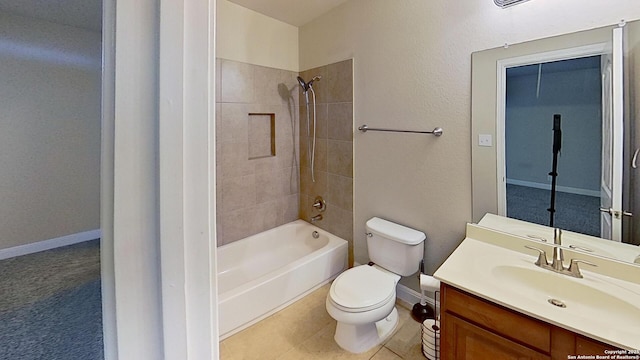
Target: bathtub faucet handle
column 319, row 204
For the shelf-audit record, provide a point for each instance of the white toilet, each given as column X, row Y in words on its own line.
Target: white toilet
column 362, row 299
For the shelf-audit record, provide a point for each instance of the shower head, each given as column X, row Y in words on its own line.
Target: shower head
column 317, row 77
column 303, row 84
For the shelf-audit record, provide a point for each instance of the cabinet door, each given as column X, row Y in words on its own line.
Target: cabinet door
column 464, row 340
column 586, row 346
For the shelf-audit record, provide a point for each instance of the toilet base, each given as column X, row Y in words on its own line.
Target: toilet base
column 361, row 338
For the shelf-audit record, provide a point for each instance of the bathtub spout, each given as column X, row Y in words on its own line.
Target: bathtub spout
column 316, row 218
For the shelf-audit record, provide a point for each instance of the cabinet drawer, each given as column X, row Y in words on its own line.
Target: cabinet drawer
column 502, row 321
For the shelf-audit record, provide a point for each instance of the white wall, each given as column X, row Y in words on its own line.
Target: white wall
column 246, row 36
column 412, row 62
column 49, row 130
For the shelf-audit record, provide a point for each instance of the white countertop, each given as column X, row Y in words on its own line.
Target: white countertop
column 610, row 313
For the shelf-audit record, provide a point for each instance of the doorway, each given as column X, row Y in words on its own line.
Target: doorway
column 570, row 90
column 50, row 141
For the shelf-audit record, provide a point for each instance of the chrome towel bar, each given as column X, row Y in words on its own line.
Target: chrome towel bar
column 437, row 131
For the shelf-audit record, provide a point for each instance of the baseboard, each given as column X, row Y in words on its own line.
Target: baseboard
column 49, row 244
column 565, row 189
column 408, row 297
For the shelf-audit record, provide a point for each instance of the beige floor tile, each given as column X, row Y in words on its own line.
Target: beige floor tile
column 386, row 354
column 264, row 340
column 225, row 353
column 323, row 346
column 298, row 353
column 406, row 338
column 304, row 330
column 302, row 323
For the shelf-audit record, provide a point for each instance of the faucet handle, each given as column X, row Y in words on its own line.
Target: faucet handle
column 542, row 255
column 575, row 270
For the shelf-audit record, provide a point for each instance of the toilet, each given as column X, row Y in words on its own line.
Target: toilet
column 362, row 299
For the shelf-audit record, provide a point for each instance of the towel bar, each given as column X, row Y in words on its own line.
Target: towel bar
column 437, row 131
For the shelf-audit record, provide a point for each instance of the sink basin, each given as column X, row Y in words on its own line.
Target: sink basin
column 581, row 296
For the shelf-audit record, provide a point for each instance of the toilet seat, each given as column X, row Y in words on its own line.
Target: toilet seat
column 362, row 288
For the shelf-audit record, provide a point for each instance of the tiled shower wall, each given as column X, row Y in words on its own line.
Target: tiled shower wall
column 334, row 150
column 256, row 191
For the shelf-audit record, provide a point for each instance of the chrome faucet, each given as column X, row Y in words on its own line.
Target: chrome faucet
column 557, row 264
column 316, row 218
column 558, row 256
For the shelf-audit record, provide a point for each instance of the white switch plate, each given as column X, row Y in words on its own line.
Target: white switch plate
column 485, row 140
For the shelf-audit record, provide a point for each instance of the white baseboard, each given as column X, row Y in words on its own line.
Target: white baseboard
column 409, row 296
column 49, row 244
column 565, row 189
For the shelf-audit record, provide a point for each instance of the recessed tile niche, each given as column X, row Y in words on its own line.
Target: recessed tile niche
column 262, row 135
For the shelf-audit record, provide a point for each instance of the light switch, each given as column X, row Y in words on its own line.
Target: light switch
column 485, row 140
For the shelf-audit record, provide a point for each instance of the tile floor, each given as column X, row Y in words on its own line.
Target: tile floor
column 304, row 330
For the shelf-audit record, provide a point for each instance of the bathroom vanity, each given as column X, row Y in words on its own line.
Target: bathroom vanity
column 496, row 303
column 474, row 328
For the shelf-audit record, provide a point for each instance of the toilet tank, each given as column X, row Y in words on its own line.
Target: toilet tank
column 394, row 247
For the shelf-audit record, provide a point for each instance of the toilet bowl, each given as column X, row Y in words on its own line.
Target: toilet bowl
column 362, row 299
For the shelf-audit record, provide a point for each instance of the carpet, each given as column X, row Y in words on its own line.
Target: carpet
column 51, row 304
column 578, row 213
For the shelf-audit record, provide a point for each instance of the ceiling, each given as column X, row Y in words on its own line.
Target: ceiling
column 294, row 12
column 85, row 14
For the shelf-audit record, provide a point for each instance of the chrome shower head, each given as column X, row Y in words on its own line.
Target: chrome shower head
column 317, row 77
column 303, row 84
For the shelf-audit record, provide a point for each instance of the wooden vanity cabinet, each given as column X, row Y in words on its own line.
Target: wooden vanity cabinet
column 473, row 328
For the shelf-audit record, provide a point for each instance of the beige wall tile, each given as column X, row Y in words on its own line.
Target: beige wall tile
column 265, row 85
column 322, row 125
column 233, row 160
column 237, row 82
column 305, row 208
column 340, row 157
column 218, row 80
column 339, row 222
column 267, row 215
column 308, row 187
column 340, row 82
column 340, row 121
column 238, row 192
column 236, row 225
column 233, row 122
column 340, row 191
column 269, row 186
column 290, row 180
column 290, row 205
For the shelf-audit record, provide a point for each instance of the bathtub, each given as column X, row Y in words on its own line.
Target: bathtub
column 264, row 273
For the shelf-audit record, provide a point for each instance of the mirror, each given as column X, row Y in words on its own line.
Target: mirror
column 488, row 122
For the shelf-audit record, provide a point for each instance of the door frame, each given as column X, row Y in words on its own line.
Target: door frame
column 158, row 188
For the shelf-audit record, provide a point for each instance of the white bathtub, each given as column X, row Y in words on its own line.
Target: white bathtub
column 264, row 273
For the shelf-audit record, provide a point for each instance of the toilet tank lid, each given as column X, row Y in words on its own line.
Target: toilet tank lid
column 395, row 231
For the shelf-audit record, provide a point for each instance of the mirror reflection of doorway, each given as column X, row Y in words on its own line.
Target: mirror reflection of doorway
column 534, row 93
